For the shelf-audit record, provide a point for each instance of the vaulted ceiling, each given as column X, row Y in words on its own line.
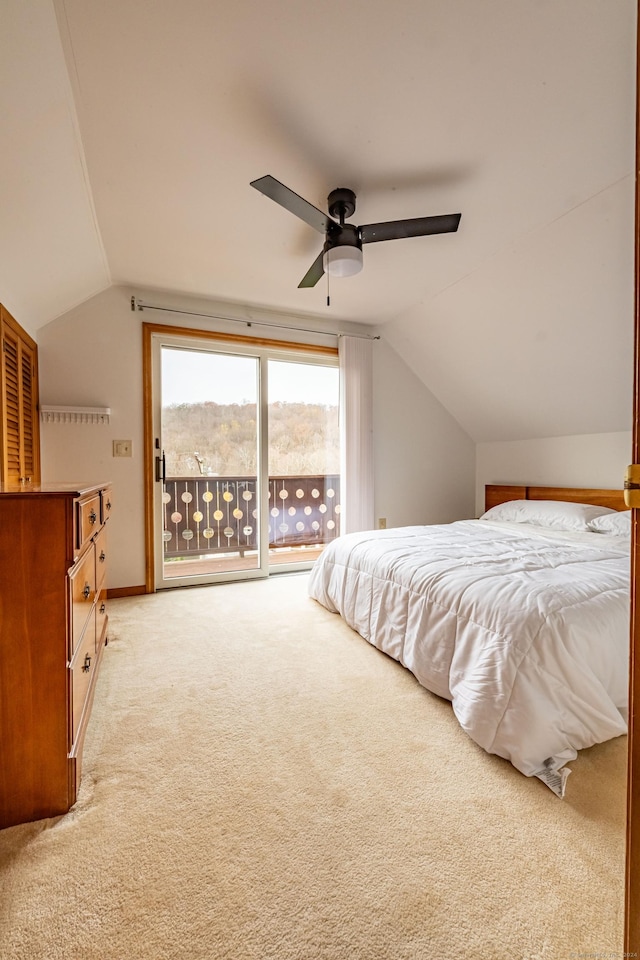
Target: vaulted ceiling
column 131, row 132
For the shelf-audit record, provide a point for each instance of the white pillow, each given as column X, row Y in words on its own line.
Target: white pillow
column 616, row 525
column 548, row 513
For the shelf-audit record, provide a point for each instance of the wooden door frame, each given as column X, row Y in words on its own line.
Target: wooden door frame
column 632, row 862
column 212, row 336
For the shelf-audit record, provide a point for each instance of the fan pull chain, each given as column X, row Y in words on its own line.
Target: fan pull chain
column 328, row 291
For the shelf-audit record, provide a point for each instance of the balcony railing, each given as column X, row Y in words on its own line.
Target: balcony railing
column 209, row 515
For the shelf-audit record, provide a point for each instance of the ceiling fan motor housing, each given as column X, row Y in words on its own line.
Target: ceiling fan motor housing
column 346, row 235
column 343, row 247
column 341, row 203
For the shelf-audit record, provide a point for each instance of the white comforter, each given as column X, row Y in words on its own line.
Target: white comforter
column 526, row 633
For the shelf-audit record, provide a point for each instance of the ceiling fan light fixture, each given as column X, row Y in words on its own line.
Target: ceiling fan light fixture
column 342, row 261
column 341, row 255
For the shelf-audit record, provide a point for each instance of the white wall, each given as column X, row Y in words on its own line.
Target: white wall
column 423, row 458
column 425, row 463
column 93, row 355
column 590, row 460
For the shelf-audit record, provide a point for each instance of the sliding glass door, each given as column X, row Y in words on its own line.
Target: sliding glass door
column 209, row 455
column 246, row 455
column 303, row 458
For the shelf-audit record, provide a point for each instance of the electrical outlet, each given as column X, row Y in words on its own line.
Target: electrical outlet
column 382, row 523
column 122, row 448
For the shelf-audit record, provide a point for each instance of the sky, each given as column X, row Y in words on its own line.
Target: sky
column 192, row 377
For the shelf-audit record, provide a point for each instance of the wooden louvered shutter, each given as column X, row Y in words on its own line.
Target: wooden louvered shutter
column 19, row 426
column 29, row 415
column 11, row 406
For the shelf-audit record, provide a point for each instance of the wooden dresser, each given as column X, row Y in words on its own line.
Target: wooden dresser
column 53, row 628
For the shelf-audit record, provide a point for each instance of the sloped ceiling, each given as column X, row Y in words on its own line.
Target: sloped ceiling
column 519, row 115
column 51, row 254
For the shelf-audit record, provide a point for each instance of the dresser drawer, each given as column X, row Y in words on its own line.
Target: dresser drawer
column 106, row 503
column 101, row 557
column 82, row 669
column 101, row 616
column 82, row 587
column 88, row 519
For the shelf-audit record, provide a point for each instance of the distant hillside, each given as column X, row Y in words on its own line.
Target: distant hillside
column 303, row 439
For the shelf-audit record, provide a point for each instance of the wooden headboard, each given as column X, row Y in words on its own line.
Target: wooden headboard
column 495, row 493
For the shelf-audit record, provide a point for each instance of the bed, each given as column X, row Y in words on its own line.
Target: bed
column 520, row 618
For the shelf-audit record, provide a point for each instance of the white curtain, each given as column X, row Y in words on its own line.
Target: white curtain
column 356, row 433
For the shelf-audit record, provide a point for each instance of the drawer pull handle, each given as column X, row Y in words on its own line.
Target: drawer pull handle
column 102, row 557
column 108, row 504
column 93, row 516
column 86, row 593
column 103, row 607
column 86, row 666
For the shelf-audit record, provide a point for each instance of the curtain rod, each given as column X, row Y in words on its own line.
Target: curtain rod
column 139, row 305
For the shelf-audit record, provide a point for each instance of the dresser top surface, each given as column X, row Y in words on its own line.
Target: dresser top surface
column 50, row 489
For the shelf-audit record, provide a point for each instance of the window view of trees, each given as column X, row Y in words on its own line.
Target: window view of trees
column 214, row 439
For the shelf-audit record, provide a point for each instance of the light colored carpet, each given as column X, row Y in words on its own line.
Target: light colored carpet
column 262, row 784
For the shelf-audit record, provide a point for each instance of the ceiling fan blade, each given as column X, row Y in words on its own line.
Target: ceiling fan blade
column 416, row 227
column 313, row 274
column 300, row 207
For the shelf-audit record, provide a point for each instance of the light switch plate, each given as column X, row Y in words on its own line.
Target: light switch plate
column 122, row 448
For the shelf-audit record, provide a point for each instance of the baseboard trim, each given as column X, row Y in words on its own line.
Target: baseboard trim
column 115, row 592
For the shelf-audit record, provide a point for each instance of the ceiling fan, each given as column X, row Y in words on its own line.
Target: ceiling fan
column 341, row 255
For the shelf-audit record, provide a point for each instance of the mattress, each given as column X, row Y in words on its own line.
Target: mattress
column 524, row 630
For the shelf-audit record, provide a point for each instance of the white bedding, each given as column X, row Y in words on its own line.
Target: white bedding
column 525, row 631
